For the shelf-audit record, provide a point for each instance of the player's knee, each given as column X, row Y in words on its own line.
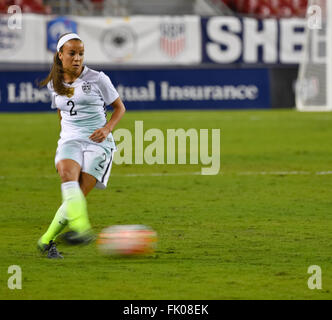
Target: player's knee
column 67, row 174
column 68, row 170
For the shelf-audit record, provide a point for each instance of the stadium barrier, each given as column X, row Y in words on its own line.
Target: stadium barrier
column 159, row 62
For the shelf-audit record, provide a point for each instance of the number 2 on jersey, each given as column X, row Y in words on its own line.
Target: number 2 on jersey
column 72, row 112
column 101, row 164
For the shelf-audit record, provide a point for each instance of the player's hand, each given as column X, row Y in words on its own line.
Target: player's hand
column 100, row 135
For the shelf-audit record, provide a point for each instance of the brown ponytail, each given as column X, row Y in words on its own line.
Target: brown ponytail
column 56, row 76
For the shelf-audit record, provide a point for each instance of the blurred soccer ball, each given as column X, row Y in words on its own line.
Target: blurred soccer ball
column 127, row 240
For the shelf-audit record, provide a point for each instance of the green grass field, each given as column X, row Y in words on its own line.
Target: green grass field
column 250, row 232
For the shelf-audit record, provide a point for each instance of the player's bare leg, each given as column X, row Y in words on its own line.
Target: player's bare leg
column 74, row 209
column 71, row 176
column 68, row 170
column 87, row 182
column 73, row 200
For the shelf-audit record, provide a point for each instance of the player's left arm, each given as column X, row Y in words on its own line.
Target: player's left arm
column 59, row 115
column 101, row 134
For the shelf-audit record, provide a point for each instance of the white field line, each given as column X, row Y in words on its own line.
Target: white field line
column 285, row 173
column 324, row 172
column 274, row 173
column 246, row 173
column 157, row 174
column 198, row 173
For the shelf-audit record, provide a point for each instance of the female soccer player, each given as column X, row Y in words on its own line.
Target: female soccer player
column 85, row 149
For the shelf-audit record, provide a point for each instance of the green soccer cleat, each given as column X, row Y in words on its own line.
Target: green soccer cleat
column 75, row 238
column 52, row 252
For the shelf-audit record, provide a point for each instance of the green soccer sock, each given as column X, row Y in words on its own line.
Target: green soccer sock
column 77, row 213
column 56, row 226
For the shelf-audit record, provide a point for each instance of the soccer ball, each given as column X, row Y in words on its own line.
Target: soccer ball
column 126, row 240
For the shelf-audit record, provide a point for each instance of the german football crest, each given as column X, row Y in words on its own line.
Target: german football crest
column 119, row 43
column 86, row 87
column 172, row 38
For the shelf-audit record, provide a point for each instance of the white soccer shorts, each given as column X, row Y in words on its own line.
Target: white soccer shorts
column 93, row 159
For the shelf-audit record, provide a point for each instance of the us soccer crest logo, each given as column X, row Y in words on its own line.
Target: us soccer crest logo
column 172, row 38
column 86, row 87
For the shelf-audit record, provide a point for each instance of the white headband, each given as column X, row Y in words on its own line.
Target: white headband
column 66, row 38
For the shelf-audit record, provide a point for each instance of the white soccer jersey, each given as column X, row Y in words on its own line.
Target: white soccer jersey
column 85, row 111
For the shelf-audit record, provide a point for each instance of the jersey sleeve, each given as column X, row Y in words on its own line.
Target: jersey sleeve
column 107, row 90
column 52, row 94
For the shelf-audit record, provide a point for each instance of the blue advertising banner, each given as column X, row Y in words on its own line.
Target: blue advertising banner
column 193, row 88
column 20, row 92
column 154, row 89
